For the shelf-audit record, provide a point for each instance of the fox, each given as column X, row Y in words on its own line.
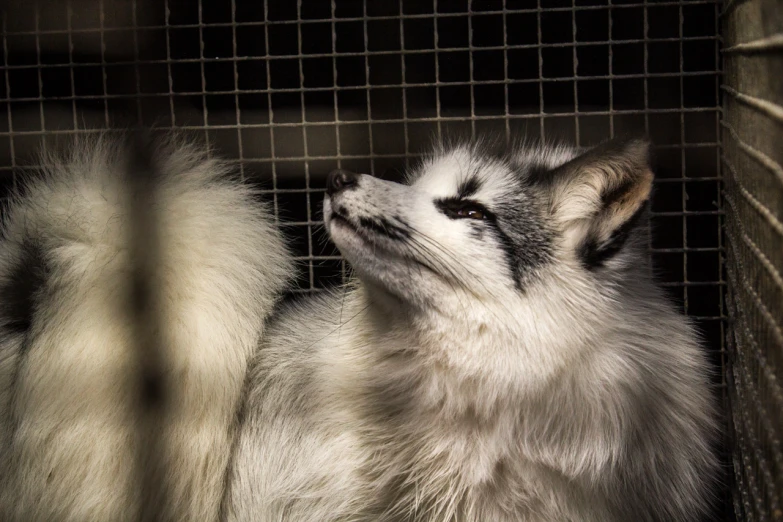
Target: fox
column 501, row 352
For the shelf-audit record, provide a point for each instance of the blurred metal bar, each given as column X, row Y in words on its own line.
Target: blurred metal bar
column 148, row 327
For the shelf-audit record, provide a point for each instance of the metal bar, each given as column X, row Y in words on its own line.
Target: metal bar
column 172, row 112
column 770, row 43
column 310, row 273
column 9, row 115
column 204, row 109
column 767, row 108
column 271, row 109
column 347, row 54
column 367, row 85
column 146, row 310
column 102, row 14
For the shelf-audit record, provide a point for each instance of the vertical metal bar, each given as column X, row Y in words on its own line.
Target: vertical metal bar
column 167, row 24
column 69, row 9
column 9, row 114
column 104, row 76
column 367, row 85
column 146, row 314
column 575, row 82
column 136, row 60
column 271, row 115
column 721, row 219
column 682, row 167
column 404, row 87
column 337, row 121
column 333, row 50
column 38, row 71
column 306, row 153
column 471, row 50
column 505, row 75
column 609, row 14
column 205, row 110
column 437, row 68
column 237, row 113
column 646, row 70
column 542, row 127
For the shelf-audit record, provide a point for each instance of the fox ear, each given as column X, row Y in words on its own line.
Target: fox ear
column 598, row 197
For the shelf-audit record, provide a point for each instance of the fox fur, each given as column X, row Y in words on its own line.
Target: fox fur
column 502, row 354
column 68, row 386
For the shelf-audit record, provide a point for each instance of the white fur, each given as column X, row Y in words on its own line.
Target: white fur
column 70, row 436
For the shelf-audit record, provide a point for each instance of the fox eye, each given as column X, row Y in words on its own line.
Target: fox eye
column 464, row 209
column 471, row 212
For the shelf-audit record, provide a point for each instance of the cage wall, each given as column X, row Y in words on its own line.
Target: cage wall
column 753, row 160
column 291, row 90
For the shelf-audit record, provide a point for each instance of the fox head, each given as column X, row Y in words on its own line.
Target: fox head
column 471, row 224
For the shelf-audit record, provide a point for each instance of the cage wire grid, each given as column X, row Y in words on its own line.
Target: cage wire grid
column 289, row 91
column 751, row 135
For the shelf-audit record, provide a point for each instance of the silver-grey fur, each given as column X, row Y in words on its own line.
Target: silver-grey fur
column 520, row 366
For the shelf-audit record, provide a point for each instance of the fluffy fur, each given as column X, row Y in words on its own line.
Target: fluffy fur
column 68, row 372
column 504, row 355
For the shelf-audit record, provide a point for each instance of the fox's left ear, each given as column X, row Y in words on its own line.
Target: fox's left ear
column 597, row 197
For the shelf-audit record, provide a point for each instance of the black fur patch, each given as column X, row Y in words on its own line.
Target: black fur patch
column 537, row 175
column 20, row 291
column 476, row 231
column 384, row 227
column 511, row 253
column 450, row 206
column 469, row 187
column 612, row 196
column 594, row 255
column 525, row 240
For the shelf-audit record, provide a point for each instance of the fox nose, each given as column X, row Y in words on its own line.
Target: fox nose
column 339, row 180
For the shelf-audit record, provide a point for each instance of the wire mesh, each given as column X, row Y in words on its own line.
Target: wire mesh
column 752, row 129
column 291, row 90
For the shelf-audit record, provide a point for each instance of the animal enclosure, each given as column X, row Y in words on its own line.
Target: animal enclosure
column 290, row 90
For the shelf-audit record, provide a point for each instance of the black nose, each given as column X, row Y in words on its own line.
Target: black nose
column 339, row 180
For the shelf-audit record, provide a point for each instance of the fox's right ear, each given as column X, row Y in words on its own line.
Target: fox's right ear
column 597, row 197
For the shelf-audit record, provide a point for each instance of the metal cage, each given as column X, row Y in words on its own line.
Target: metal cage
column 292, row 90
column 752, row 126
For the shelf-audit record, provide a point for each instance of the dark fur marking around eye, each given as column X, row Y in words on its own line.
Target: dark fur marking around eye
column 476, row 231
column 468, row 187
column 524, row 247
column 21, row 289
column 510, row 252
column 450, row 207
column 594, row 255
